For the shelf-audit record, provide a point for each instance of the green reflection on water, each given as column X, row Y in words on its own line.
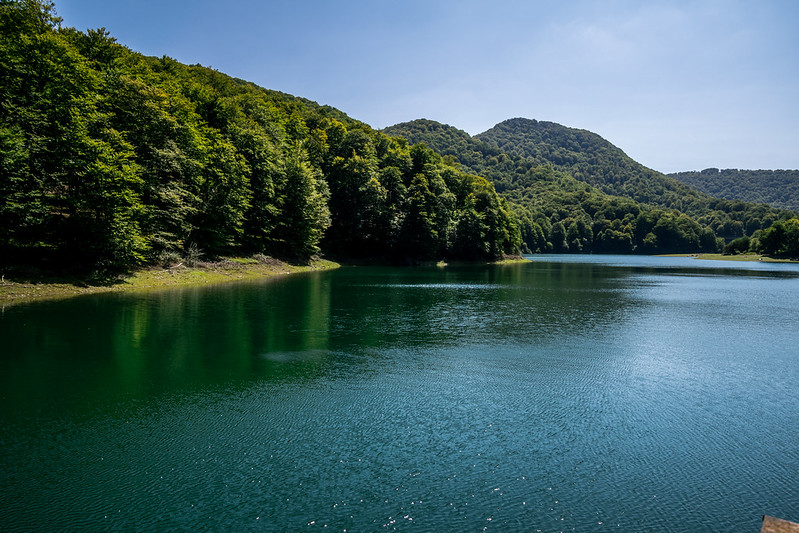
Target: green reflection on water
column 95, row 351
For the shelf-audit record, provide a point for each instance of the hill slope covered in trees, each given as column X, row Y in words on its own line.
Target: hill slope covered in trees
column 779, row 188
column 592, row 159
column 574, row 183
column 110, row 159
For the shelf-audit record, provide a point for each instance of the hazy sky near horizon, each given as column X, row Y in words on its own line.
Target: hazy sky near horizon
column 678, row 85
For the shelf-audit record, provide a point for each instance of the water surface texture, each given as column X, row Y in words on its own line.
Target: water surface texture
column 570, row 393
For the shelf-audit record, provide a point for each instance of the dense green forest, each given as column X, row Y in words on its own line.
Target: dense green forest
column 575, row 192
column 110, row 159
column 779, row 188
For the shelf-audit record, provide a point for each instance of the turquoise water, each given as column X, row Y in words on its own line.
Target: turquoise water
column 570, row 393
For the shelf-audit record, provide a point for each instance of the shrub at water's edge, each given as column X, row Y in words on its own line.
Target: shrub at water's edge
column 781, row 240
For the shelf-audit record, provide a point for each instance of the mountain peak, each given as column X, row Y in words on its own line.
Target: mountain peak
column 423, row 125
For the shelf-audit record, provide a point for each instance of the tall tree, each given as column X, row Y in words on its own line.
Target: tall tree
column 304, row 215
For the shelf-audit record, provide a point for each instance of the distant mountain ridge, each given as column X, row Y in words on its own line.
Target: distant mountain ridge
column 572, row 181
column 779, row 188
column 589, row 158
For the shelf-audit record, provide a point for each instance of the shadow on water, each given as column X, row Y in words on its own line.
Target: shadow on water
column 97, row 349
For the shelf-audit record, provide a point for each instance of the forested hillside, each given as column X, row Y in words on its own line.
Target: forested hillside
column 110, row 159
column 590, row 158
column 779, row 188
column 573, row 184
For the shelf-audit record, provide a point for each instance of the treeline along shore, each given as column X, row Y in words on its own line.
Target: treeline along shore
column 113, row 160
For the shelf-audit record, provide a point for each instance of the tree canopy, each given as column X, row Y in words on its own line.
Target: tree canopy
column 110, row 159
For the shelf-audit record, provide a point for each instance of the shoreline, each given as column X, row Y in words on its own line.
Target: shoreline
column 18, row 290
column 507, row 260
column 736, row 257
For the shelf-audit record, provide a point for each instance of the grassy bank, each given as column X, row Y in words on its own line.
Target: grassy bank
column 19, row 289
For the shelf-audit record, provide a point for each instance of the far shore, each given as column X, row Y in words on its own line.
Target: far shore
column 507, row 260
column 19, row 289
column 736, row 257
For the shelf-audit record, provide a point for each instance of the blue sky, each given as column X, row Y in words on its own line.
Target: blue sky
column 681, row 85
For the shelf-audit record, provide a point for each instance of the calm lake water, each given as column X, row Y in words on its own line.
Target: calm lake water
column 569, row 393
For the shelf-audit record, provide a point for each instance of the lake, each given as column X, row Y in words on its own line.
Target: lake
column 568, row 393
